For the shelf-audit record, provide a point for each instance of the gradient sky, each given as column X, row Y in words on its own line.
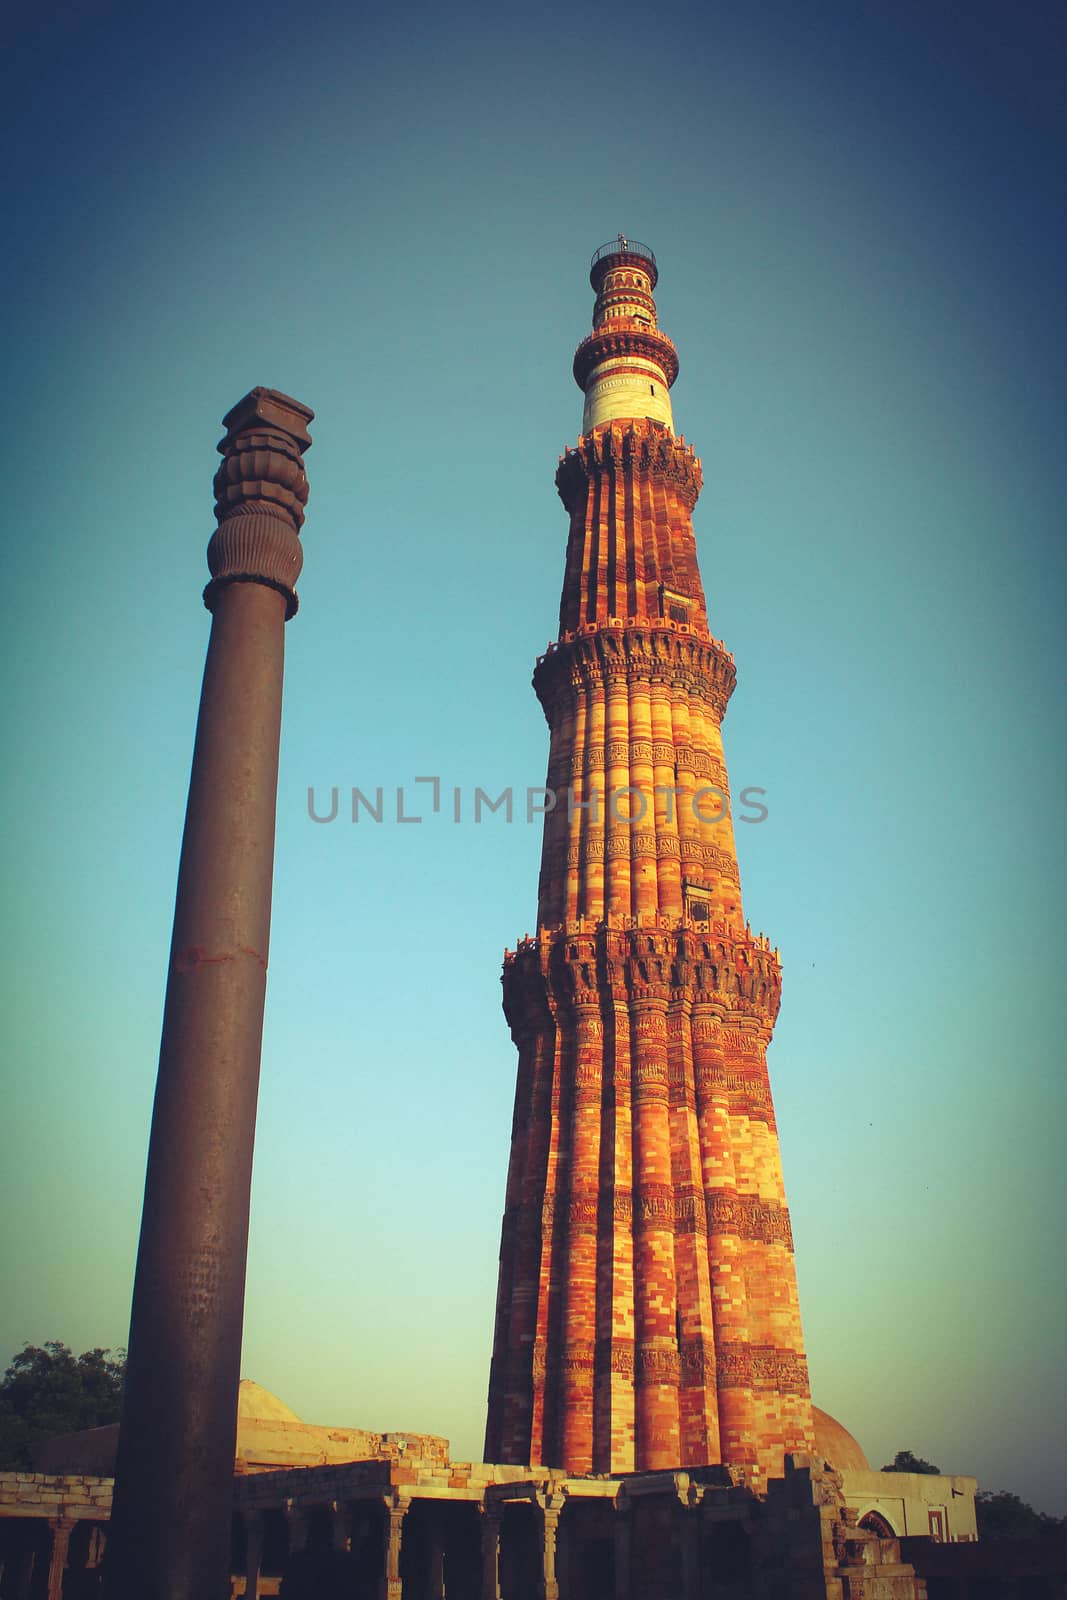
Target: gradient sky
column 858, row 216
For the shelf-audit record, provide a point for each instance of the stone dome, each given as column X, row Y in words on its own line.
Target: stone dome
column 256, row 1404
column 836, row 1445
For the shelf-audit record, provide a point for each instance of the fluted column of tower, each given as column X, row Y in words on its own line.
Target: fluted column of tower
column 647, row 1313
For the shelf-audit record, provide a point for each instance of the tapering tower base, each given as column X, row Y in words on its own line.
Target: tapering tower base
column 647, row 1310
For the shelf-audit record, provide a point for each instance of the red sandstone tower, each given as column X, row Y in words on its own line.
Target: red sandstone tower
column 647, row 1313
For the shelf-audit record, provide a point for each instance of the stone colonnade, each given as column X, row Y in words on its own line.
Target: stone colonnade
column 655, row 1536
column 50, row 1550
column 416, row 1550
column 380, row 1531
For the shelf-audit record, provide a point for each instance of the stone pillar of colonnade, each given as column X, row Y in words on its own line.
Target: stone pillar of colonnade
column 340, row 1526
column 25, row 1563
column 62, row 1528
column 392, row 1537
column 647, row 1313
column 689, row 1536
column 550, row 1506
column 435, row 1538
column 253, row 1553
column 622, row 1536
column 296, row 1527
column 490, row 1542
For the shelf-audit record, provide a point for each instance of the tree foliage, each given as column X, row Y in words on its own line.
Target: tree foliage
column 904, row 1461
column 1004, row 1516
column 47, row 1391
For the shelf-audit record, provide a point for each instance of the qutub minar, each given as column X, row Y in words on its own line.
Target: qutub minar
column 647, row 1312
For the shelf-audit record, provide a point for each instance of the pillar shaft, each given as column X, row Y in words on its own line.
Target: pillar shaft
column 253, row 1553
column 25, row 1563
column 622, row 1530
column 689, row 1534
column 549, row 1553
column 57, row 1563
column 435, row 1535
column 171, row 1516
column 393, row 1532
column 490, row 1538
column 296, row 1524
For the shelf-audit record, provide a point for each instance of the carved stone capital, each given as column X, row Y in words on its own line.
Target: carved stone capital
column 260, row 494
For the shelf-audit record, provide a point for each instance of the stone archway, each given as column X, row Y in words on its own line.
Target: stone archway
column 877, row 1524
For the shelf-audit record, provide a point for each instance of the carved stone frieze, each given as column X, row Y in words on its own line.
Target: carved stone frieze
column 748, row 1216
column 615, row 1355
column 656, row 1364
column 582, row 1215
column 761, row 1366
column 654, row 1206
column 793, row 1374
column 650, row 1024
column 734, row 1363
column 696, row 1363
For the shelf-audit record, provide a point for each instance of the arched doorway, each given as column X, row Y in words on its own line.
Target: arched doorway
column 875, row 1523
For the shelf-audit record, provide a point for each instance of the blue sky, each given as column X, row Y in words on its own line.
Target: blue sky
column 858, row 216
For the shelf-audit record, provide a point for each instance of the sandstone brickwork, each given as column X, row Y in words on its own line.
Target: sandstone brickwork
column 647, row 1313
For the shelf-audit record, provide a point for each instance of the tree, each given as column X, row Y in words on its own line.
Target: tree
column 47, row 1391
column 1004, row 1516
column 904, row 1461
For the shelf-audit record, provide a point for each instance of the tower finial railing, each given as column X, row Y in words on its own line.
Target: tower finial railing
column 622, row 245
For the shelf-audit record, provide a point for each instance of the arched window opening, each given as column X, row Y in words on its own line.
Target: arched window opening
column 874, row 1522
